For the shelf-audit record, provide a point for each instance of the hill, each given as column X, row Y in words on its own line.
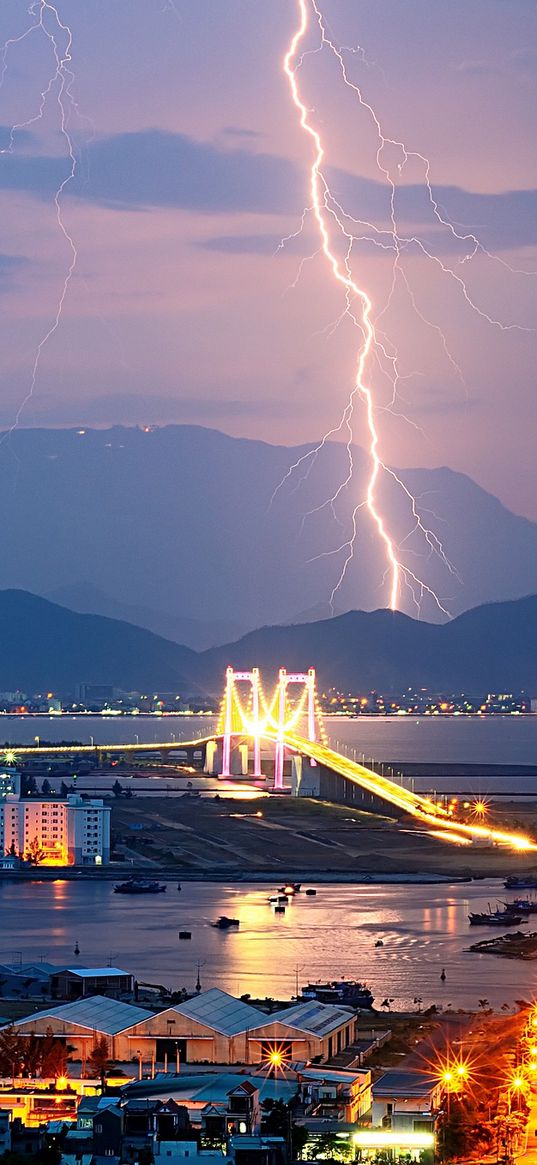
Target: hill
column 493, row 647
column 46, row 647
column 174, row 528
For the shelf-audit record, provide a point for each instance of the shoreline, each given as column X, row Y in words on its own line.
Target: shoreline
column 262, row 877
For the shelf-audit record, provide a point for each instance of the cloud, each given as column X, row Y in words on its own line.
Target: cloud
column 240, row 244
column 236, row 131
column 152, row 168
column 9, row 266
column 149, row 169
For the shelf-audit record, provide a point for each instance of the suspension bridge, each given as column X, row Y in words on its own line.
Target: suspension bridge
column 277, row 739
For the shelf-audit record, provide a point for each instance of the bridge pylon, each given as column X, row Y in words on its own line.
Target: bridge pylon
column 285, row 678
column 235, row 719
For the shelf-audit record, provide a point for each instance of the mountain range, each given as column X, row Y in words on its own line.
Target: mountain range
column 185, row 531
column 491, row 648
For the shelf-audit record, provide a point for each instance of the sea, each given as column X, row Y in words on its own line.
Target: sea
column 423, row 928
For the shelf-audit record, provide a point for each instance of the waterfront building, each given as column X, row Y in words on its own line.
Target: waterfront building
column 213, row 1028
column 77, row 982
column 10, row 783
column 56, row 832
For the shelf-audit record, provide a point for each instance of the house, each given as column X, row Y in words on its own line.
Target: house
column 406, row 1101
column 76, row 982
column 335, row 1094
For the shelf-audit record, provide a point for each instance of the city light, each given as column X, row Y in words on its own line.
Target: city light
column 404, row 1140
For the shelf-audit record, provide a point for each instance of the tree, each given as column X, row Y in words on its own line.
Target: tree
column 99, row 1060
column 34, row 854
column 46, row 787
column 11, row 1052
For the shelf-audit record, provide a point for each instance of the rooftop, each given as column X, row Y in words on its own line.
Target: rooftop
column 402, row 1084
column 315, row 1018
column 217, row 1009
column 97, row 1012
column 208, row 1088
column 90, row 972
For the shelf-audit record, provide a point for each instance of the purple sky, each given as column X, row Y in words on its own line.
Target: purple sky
column 179, row 310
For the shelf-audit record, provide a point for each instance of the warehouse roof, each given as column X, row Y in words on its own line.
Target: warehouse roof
column 224, row 1013
column 97, row 1013
column 318, row 1019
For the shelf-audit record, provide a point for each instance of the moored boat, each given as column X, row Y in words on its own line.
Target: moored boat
column 521, row 882
column 140, row 886
column 224, row 923
column 347, row 991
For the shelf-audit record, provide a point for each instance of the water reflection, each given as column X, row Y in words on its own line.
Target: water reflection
column 423, row 928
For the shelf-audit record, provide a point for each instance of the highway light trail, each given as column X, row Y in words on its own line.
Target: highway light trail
column 338, row 231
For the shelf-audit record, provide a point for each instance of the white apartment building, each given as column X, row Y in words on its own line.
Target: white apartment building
column 67, row 832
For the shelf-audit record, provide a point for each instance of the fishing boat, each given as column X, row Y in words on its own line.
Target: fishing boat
column 523, row 905
column 350, row 992
column 507, row 917
column 278, row 899
column 311, row 893
column 140, row 886
column 224, row 923
column 521, row 882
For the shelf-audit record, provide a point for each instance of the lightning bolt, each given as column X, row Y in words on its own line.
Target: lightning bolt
column 47, row 23
column 337, row 232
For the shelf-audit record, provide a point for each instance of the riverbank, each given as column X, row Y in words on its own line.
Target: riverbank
column 259, row 877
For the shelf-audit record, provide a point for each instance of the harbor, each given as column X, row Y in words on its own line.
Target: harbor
column 422, row 930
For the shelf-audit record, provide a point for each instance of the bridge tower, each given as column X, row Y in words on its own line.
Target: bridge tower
column 284, row 679
column 230, row 728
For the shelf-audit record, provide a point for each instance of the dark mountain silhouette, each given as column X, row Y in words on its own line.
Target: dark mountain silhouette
column 491, row 648
column 46, row 647
column 89, row 600
column 179, row 521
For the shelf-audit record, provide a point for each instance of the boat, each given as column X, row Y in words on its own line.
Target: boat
column 224, row 923
column 523, row 905
column 185, row 934
column 278, row 899
column 379, row 943
column 521, row 882
column 311, row 893
column 347, row 991
column 140, row 886
column 496, row 918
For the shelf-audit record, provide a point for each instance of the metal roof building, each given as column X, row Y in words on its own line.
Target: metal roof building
column 211, row 1028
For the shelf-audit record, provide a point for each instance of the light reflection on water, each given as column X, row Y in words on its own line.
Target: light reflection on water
column 423, row 929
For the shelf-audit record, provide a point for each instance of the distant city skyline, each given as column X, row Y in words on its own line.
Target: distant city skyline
column 191, row 168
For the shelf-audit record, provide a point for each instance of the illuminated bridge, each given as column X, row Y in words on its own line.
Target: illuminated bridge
column 279, row 741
